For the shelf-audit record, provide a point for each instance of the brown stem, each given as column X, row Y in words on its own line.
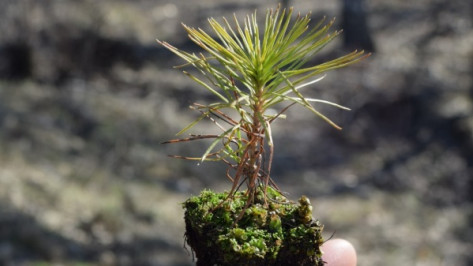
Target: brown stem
column 256, row 143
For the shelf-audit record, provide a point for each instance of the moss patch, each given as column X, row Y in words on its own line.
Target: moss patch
column 284, row 233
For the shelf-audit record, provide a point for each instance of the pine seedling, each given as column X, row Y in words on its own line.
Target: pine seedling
column 251, row 70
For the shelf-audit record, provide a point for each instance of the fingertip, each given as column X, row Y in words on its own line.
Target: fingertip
column 339, row 252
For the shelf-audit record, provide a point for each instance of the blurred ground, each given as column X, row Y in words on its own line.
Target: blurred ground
column 86, row 96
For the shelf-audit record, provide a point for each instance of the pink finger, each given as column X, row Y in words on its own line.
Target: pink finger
column 339, row 252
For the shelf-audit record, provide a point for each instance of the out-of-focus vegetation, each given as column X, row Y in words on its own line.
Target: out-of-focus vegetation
column 86, row 96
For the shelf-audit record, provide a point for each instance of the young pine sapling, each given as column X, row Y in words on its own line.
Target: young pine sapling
column 251, row 70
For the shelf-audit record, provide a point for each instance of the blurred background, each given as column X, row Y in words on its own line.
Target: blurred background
column 87, row 96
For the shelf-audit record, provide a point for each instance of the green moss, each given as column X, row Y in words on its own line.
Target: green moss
column 279, row 234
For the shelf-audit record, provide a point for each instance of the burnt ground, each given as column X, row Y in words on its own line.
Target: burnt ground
column 87, row 96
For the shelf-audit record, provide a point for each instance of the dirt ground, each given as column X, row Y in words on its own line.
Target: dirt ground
column 87, row 96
